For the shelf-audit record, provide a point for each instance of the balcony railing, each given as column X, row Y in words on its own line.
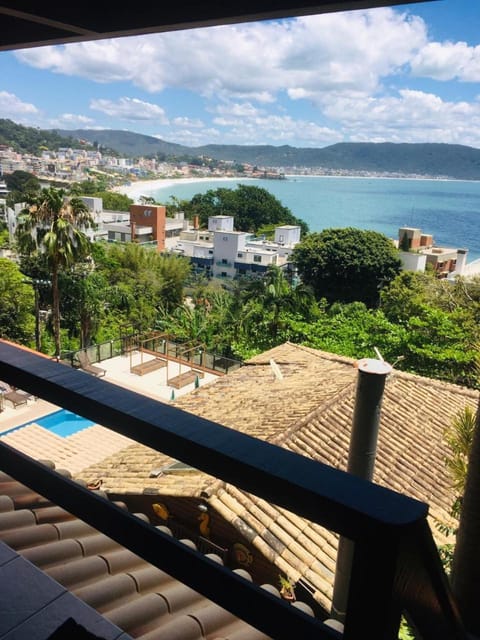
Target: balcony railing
column 395, row 566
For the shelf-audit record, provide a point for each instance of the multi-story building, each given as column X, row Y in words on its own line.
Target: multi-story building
column 418, row 253
column 223, row 252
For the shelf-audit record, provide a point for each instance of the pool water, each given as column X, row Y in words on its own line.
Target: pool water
column 63, row 423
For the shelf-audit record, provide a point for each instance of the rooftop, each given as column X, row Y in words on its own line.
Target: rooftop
column 303, row 400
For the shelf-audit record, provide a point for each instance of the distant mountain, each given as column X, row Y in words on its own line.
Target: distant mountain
column 425, row 159
column 129, row 144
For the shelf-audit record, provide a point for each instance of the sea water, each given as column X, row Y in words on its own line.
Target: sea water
column 447, row 209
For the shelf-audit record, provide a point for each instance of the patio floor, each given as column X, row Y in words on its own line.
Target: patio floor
column 154, row 385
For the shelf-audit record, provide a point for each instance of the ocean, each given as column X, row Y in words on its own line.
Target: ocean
column 447, row 209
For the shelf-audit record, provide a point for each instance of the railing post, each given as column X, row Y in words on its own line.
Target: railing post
column 373, row 611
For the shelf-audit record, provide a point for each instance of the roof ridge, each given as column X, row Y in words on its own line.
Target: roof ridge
column 418, row 378
column 281, row 438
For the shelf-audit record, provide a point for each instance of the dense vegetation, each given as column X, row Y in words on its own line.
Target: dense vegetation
column 253, row 208
column 347, row 264
column 425, row 325
column 34, row 141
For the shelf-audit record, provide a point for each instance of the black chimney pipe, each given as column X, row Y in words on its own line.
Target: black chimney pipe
column 371, row 379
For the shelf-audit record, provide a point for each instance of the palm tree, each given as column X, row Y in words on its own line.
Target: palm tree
column 465, row 576
column 275, row 297
column 53, row 225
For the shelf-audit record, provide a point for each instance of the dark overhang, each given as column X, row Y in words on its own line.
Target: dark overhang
column 31, row 24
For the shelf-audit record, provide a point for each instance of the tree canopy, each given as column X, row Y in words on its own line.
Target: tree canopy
column 252, row 207
column 16, row 304
column 347, row 264
column 53, row 225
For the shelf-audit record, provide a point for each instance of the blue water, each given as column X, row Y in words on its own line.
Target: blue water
column 64, row 423
column 447, row 209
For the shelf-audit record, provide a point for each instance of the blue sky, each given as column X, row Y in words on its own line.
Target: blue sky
column 404, row 74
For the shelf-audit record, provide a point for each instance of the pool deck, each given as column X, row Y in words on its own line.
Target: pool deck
column 80, row 450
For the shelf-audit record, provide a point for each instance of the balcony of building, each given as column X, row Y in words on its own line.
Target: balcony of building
column 395, row 567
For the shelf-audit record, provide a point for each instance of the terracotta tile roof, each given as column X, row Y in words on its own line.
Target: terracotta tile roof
column 129, row 471
column 137, row 597
column 74, row 452
column 309, row 411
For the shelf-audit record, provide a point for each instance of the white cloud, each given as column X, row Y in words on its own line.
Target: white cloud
column 255, row 61
column 196, row 137
column 237, row 109
column 346, row 65
column 12, row 107
column 448, row 61
column 275, row 129
column 196, row 123
column 69, row 120
column 412, row 116
column 130, row 109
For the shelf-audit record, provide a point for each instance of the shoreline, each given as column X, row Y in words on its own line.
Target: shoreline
column 137, row 189
column 145, row 187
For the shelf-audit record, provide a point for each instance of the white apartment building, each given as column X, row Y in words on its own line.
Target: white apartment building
column 223, row 252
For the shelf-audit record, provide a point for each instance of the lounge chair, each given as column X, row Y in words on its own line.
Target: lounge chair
column 87, row 366
column 17, row 397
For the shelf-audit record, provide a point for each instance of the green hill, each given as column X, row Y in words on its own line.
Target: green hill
column 423, row 159
column 31, row 140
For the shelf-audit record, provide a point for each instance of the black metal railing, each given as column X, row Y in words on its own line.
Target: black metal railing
column 162, row 345
column 395, row 565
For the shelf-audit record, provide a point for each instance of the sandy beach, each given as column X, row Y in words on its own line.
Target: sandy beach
column 135, row 190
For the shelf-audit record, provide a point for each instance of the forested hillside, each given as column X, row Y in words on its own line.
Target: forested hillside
column 32, row 140
column 425, row 159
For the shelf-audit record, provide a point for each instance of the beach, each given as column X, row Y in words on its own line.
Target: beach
column 135, row 190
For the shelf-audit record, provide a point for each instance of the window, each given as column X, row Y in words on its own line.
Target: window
column 240, row 254
column 224, row 261
column 257, row 258
column 225, row 238
column 210, row 251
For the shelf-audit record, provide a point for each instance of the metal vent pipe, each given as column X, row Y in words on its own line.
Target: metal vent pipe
column 371, row 379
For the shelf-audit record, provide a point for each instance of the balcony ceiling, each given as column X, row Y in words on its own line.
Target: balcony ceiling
column 31, row 24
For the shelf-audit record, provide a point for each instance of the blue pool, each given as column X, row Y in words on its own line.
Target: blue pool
column 64, row 423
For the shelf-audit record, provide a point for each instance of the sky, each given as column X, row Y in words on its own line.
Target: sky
column 404, row 74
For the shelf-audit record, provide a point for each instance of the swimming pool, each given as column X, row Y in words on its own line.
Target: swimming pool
column 63, row 422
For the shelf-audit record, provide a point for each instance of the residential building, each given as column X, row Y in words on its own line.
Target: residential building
column 147, row 224
column 222, row 252
column 418, row 252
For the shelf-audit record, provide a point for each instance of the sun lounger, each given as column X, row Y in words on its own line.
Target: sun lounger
column 87, row 366
column 148, row 366
column 184, row 378
column 17, row 398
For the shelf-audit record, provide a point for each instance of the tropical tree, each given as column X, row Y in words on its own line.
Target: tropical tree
column 252, row 207
column 16, row 304
column 84, row 298
column 273, row 296
column 465, row 575
column 459, row 437
column 55, row 226
column 347, row 264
